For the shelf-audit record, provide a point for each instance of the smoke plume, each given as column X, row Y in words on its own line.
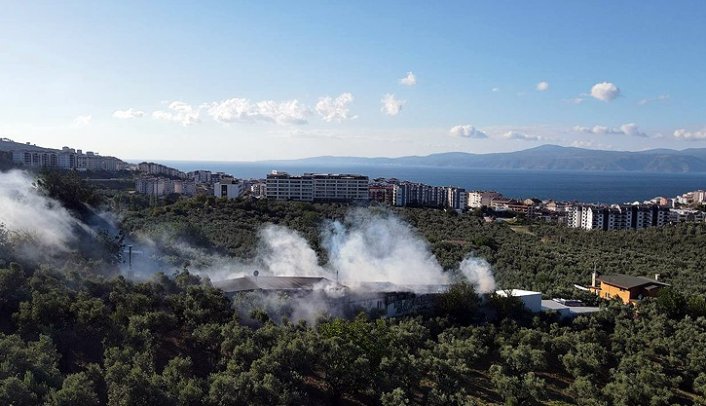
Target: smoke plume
column 478, row 273
column 284, row 252
column 28, row 215
column 379, row 247
column 367, row 246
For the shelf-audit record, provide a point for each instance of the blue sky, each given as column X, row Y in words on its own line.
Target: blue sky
column 267, row 80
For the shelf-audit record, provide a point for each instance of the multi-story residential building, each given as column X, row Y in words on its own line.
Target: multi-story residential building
column 554, row 206
column 617, row 217
column 383, row 193
column 503, row 204
column 478, row 199
column 698, row 196
column 258, row 189
column 160, row 186
column 421, row 195
column 33, row 156
column 152, row 168
column 686, row 215
column 200, row 176
column 230, row 189
column 456, row 198
column 317, row 187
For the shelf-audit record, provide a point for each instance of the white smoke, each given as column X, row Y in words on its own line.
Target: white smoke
column 29, row 215
column 284, row 252
column 280, row 251
column 369, row 251
column 379, row 247
column 368, row 246
column 478, row 273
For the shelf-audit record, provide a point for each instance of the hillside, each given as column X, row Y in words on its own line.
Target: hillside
column 545, row 157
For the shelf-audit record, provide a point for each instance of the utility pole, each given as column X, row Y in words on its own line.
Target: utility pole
column 130, row 251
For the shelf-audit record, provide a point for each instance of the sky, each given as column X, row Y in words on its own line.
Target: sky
column 251, row 80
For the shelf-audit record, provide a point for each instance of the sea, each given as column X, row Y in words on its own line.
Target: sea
column 582, row 186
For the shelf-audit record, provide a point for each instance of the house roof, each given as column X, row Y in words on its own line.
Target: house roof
column 629, row 282
column 272, row 283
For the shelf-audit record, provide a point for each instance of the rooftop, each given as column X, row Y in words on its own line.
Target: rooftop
column 564, row 311
column 629, row 282
column 517, row 292
column 271, row 283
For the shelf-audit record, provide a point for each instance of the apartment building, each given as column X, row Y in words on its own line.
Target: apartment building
column 419, row 194
column 152, row 168
column 686, row 215
column 33, row 156
column 160, row 186
column 258, row 189
column 383, row 193
column 200, row 176
column 617, row 217
column 230, row 189
column 317, row 187
column 456, row 198
column 478, row 199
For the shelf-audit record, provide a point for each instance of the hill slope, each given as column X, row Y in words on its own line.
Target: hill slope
column 548, row 157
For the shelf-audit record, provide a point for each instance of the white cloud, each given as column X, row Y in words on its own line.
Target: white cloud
column 605, row 91
column 243, row 110
column 495, row 89
column 409, row 80
column 82, row 121
column 336, row 109
column 626, row 129
column 596, row 129
column 662, row 97
column 467, row 131
column 128, row 114
column 690, row 135
column 391, row 105
column 515, row 135
column 543, row 86
column 632, row 130
column 181, row 113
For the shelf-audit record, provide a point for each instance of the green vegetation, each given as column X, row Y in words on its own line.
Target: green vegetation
column 542, row 257
column 174, row 341
column 71, row 333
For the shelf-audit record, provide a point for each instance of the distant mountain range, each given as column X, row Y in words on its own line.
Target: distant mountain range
column 545, row 157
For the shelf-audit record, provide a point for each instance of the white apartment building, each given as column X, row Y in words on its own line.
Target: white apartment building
column 317, row 187
column 478, row 199
column 230, row 189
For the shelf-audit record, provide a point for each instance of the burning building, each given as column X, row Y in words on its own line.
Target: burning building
column 314, row 296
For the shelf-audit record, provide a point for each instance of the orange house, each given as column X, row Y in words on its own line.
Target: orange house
column 629, row 289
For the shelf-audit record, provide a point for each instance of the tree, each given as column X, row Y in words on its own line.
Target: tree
column 77, row 389
column 639, row 381
column 16, row 392
column 69, row 189
column 517, row 390
column 459, row 302
column 672, row 303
